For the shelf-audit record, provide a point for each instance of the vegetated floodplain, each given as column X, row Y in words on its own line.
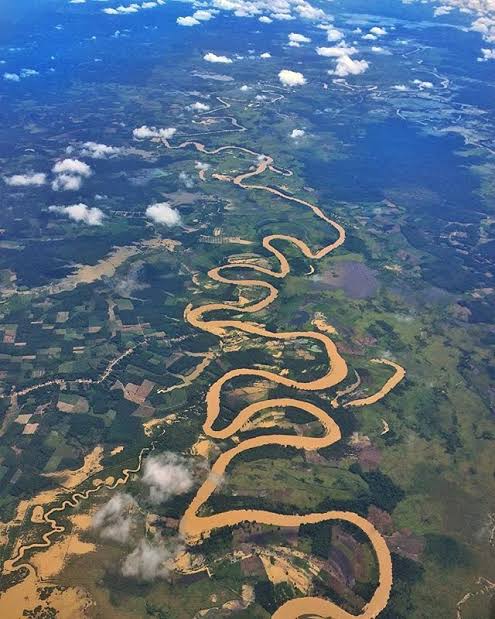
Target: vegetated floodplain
column 331, row 399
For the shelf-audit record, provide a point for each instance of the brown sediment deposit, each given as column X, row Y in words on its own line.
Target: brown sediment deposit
column 14, row 563
column 69, row 603
column 70, row 479
column 87, row 274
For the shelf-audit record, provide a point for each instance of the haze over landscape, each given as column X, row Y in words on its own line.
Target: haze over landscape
column 247, row 261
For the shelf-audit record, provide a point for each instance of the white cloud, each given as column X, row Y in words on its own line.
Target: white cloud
column 135, row 7
column 186, row 179
column 80, row 213
column 245, row 88
column 442, row 10
column 294, row 37
column 282, row 16
column 67, row 182
column 149, row 561
column 166, row 475
column 378, row 31
column 188, row 21
column 72, row 166
column 291, row 78
column 369, row 37
column 423, row 85
column 29, row 73
column 487, row 54
column 265, row 55
column 306, row 11
column 210, row 57
column 336, row 51
column 23, row 74
column 264, row 19
column 347, row 66
column 400, row 87
column 114, row 520
column 98, row 151
column 146, row 133
column 163, row 213
column 297, row 133
column 334, row 35
column 69, row 174
column 277, row 9
column 199, row 107
column 24, row 180
column 203, row 15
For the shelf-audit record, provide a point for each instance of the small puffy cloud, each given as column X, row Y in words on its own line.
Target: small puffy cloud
column 11, row 77
column 188, row 21
column 80, row 213
column 28, row 73
column 264, row 19
column 163, row 213
column 149, row 561
column 203, row 15
column 334, row 35
column 291, row 78
column 294, row 37
column 378, row 31
column 67, row 182
column 369, row 37
column 146, row 133
column 23, row 74
column 265, row 55
column 167, row 475
column 400, row 87
column 72, row 166
column 122, row 10
column 282, row 16
column 135, row 7
column 186, row 179
column 442, row 10
column 423, row 85
column 486, row 54
column 335, row 51
column 198, row 106
column 114, row 520
column 297, row 133
column 245, row 88
column 306, row 11
column 94, row 150
column 201, row 166
column 69, row 174
column 34, row 179
column 210, row 57
column 347, row 66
